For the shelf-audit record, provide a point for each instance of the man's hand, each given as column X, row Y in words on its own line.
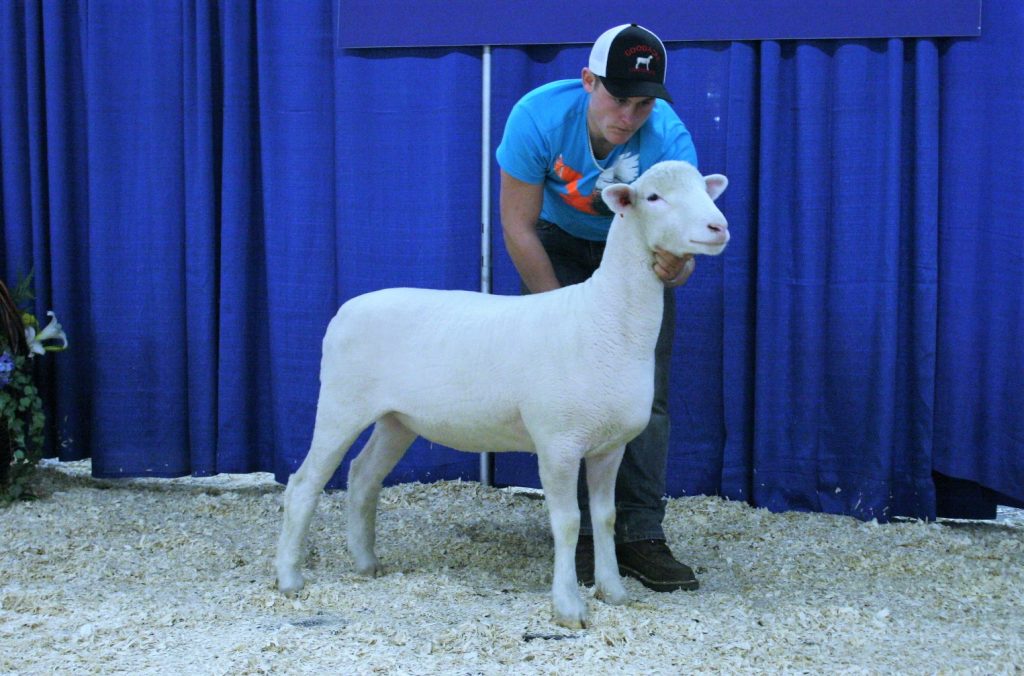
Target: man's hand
column 673, row 271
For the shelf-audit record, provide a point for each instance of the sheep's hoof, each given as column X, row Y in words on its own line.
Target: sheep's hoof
column 574, row 616
column 290, row 584
column 614, row 594
column 370, row 568
column 571, row 622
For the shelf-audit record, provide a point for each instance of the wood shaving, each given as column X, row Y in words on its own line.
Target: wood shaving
column 151, row 576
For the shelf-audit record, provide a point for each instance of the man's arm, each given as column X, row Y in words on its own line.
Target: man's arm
column 520, row 204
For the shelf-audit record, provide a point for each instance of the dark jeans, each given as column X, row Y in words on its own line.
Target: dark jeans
column 640, row 487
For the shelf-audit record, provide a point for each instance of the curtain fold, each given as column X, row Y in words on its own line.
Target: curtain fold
column 203, row 125
column 979, row 409
column 241, row 342
column 294, row 49
column 137, row 239
column 198, row 186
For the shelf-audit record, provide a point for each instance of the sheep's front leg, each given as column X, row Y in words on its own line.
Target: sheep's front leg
column 601, row 473
column 559, row 472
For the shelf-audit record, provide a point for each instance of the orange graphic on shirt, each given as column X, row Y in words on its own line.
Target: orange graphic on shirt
column 572, row 194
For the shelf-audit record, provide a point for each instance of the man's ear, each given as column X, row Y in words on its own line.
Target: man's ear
column 589, row 80
column 619, row 197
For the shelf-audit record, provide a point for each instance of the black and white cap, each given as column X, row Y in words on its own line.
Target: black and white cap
column 630, row 60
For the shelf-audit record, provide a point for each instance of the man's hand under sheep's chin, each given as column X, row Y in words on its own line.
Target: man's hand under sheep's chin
column 673, row 270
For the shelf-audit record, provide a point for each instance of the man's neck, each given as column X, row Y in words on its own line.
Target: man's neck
column 600, row 147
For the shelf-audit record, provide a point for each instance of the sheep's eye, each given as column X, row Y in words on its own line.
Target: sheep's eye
column 653, row 197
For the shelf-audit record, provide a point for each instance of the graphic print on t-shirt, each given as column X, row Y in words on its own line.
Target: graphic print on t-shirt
column 625, row 169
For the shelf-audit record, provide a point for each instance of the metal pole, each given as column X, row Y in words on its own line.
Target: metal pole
column 486, row 461
column 485, row 176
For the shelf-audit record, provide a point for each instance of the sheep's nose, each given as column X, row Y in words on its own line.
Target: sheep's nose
column 718, row 227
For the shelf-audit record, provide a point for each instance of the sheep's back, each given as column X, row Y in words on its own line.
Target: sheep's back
column 464, row 369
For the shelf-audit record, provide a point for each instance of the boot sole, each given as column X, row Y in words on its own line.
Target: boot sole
column 659, row 585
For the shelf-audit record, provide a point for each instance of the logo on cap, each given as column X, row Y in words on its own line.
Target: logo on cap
column 630, row 60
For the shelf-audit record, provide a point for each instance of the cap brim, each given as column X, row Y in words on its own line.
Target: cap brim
column 626, row 88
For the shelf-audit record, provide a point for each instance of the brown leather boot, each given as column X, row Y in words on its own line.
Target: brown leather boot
column 651, row 562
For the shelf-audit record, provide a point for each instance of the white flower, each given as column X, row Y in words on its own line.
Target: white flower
column 52, row 332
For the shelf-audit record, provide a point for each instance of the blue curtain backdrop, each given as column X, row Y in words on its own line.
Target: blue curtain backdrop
column 199, row 185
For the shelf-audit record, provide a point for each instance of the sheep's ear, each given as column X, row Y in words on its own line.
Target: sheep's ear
column 618, row 197
column 716, row 184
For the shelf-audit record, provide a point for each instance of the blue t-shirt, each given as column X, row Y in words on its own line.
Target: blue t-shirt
column 546, row 141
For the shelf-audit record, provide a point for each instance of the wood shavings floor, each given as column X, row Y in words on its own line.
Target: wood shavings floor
column 175, row 576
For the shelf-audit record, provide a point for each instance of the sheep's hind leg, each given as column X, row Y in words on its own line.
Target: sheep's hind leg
column 559, row 473
column 601, row 473
column 331, row 438
column 386, row 446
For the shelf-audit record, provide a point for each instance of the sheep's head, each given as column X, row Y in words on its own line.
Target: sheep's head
column 675, row 205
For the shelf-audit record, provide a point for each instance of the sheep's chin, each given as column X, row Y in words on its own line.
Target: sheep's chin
column 706, row 248
column 694, row 249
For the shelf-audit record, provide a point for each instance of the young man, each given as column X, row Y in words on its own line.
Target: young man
column 563, row 143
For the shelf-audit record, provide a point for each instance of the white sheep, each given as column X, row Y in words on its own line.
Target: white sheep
column 567, row 374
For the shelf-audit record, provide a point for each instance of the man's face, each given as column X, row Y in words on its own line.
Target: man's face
column 611, row 119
